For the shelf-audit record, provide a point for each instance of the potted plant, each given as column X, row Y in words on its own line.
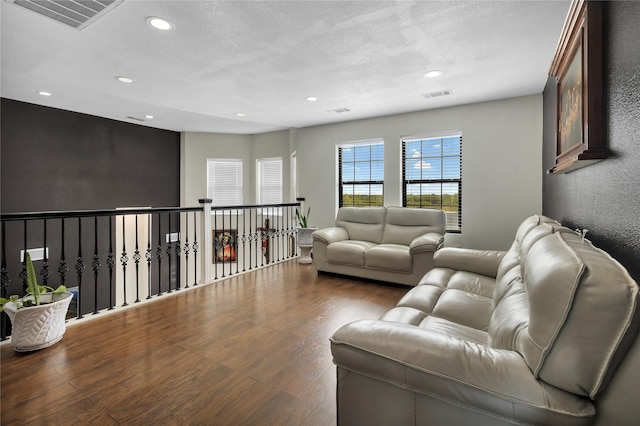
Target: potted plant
column 305, row 240
column 38, row 318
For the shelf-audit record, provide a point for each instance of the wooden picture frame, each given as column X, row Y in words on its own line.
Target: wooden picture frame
column 225, row 246
column 579, row 72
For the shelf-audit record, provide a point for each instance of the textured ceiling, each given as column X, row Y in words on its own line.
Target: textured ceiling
column 263, row 58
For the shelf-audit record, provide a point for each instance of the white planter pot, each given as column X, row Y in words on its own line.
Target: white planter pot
column 305, row 242
column 38, row 327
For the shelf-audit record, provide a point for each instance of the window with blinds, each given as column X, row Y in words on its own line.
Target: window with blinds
column 361, row 174
column 432, row 176
column 269, row 180
column 224, row 181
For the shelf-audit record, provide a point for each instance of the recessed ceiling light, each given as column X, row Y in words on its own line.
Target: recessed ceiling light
column 122, row 79
column 432, row 74
column 159, row 23
column 240, row 114
column 312, row 98
column 44, row 93
column 150, row 117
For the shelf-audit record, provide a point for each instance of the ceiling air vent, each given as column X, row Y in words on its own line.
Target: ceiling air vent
column 437, row 94
column 74, row 13
column 339, row 110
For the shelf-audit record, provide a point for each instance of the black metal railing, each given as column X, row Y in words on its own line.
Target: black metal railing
column 114, row 258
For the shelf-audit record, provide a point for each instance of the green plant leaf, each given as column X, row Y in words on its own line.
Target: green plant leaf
column 32, row 281
column 60, row 289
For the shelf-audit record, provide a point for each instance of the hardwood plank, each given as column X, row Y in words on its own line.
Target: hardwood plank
column 250, row 350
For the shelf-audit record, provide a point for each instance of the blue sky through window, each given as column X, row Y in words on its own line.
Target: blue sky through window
column 360, row 163
column 433, row 159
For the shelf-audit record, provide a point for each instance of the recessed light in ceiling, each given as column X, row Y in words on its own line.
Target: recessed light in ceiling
column 432, row 74
column 159, row 23
column 122, row 79
column 44, row 93
column 240, row 114
column 150, row 117
column 312, row 98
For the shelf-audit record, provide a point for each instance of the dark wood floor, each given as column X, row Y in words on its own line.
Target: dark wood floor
column 251, row 350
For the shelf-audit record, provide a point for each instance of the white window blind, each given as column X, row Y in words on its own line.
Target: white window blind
column 224, row 181
column 269, row 180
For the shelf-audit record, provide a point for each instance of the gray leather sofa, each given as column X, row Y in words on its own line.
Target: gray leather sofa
column 542, row 334
column 393, row 244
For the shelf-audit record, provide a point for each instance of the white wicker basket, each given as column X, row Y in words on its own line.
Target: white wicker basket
column 38, row 327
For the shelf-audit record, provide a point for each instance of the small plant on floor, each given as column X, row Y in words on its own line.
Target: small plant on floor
column 302, row 218
column 32, row 298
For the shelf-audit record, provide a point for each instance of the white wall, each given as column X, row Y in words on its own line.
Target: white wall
column 501, row 163
column 197, row 147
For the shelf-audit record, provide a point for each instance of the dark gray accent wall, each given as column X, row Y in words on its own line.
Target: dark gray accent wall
column 60, row 160
column 605, row 197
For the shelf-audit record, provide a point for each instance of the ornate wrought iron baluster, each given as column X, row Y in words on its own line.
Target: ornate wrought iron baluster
column 195, row 248
column 148, row 256
column 250, row 239
column 136, row 260
column 177, row 249
column 111, row 262
column 215, row 243
column 159, row 254
column 186, row 250
column 80, row 268
column 23, row 273
column 244, row 240
column 45, row 260
column 169, row 250
column 62, row 268
column 235, row 243
column 95, row 264
column 124, row 259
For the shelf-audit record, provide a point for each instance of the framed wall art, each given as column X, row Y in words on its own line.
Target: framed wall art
column 579, row 72
column 225, row 245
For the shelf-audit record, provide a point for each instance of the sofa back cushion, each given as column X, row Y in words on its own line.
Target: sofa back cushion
column 404, row 224
column 362, row 223
column 582, row 304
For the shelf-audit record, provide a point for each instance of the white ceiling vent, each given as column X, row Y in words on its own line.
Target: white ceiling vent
column 339, row 110
column 437, row 94
column 75, row 13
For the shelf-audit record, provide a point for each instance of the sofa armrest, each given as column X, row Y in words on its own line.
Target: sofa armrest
column 451, row 369
column 483, row 262
column 431, row 241
column 330, row 235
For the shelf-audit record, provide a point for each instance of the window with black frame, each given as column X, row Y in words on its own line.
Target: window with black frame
column 432, row 176
column 361, row 174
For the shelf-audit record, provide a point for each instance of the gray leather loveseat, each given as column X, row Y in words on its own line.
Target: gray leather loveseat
column 542, row 334
column 394, row 244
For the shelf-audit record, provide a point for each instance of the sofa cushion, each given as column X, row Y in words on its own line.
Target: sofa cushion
column 362, row 223
column 581, row 304
column 404, row 224
column 389, row 257
column 348, row 252
column 466, row 308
